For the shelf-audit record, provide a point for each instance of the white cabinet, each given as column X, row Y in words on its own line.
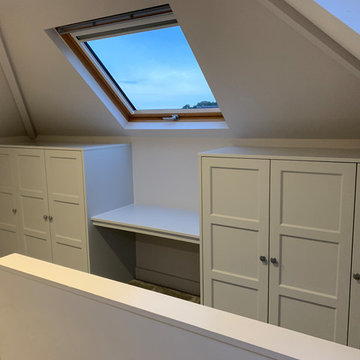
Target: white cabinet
column 277, row 238
column 9, row 231
column 311, row 220
column 51, row 206
column 235, row 217
column 354, row 318
column 67, row 213
column 48, row 194
column 33, row 206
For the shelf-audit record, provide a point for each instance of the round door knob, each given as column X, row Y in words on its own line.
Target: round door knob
column 262, row 258
column 356, row 276
column 273, row 260
column 14, row 211
column 51, row 218
column 45, row 217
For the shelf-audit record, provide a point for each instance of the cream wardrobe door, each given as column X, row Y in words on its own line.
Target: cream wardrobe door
column 9, row 237
column 67, row 208
column 354, row 318
column 33, row 203
column 311, row 223
column 235, row 207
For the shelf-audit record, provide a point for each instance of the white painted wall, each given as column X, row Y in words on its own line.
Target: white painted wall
column 269, row 79
column 166, row 169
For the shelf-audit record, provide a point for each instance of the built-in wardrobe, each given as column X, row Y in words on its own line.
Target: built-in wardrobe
column 48, row 194
column 279, row 228
column 278, row 240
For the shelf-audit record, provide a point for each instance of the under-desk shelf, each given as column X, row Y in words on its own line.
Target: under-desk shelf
column 153, row 220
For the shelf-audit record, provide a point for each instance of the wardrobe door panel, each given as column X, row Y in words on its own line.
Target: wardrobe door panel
column 234, row 251
column 8, row 242
column 37, row 247
column 235, row 197
column 67, row 208
column 237, row 299
column 354, row 318
column 7, row 203
column 9, row 236
column 310, row 243
column 34, row 211
column 33, row 203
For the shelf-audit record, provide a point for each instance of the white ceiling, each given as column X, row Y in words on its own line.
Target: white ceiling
column 268, row 78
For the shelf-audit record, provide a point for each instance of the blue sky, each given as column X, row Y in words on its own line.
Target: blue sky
column 156, row 69
column 348, row 11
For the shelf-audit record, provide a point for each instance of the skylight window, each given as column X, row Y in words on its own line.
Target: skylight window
column 145, row 65
column 156, row 69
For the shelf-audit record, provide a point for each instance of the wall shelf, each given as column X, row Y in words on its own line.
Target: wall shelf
column 165, row 222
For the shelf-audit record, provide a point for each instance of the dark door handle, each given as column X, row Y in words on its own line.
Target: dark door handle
column 356, row 276
column 262, row 258
column 273, row 260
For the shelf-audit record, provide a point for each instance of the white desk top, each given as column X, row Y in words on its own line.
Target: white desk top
column 153, row 220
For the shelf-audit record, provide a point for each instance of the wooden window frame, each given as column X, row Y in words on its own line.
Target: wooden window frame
column 184, row 115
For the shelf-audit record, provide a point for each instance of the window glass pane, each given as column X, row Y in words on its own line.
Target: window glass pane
column 156, row 69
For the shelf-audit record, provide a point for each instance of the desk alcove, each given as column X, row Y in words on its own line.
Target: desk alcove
column 66, row 186
column 167, row 244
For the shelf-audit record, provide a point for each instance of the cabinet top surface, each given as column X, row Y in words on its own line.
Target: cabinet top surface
column 342, row 155
column 63, row 146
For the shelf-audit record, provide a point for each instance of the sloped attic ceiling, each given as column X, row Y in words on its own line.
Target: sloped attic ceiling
column 10, row 121
column 339, row 19
column 270, row 80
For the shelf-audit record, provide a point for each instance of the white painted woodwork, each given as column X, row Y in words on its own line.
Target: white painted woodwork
column 311, row 209
column 74, row 315
column 109, row 185
column 235, row 223
column 300, row 152
column 354, row 317
column 311, row 221
column 64, row 171
column 9, row 233
column 174, row 224
column 33, row 202
column 58, row 187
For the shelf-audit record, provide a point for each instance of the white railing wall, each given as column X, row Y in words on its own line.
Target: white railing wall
column 50, row 312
